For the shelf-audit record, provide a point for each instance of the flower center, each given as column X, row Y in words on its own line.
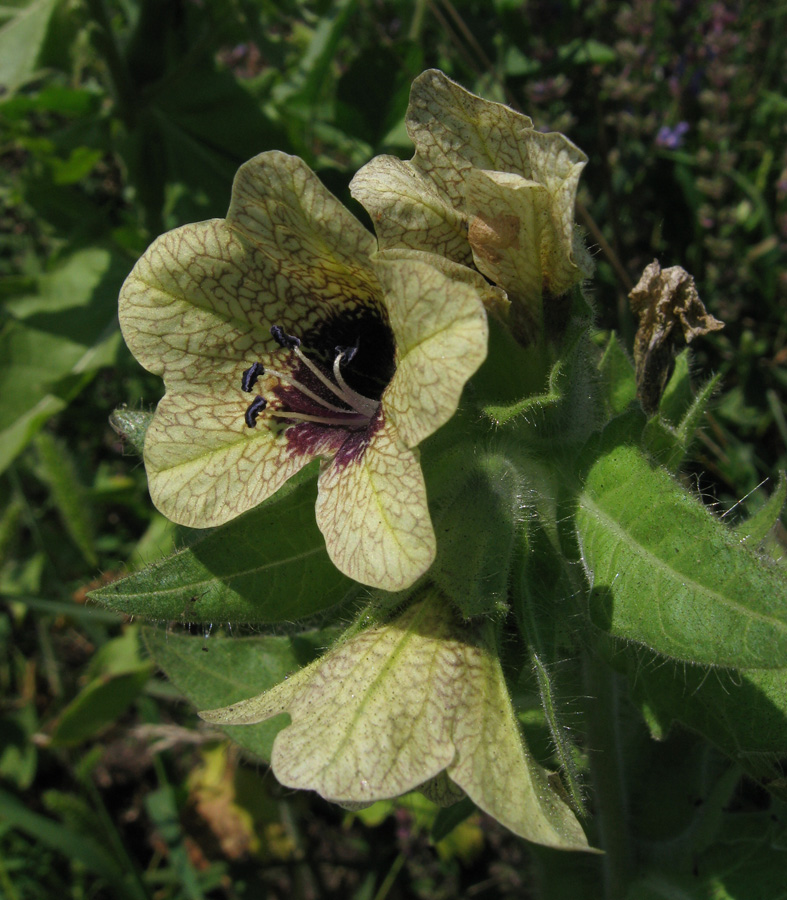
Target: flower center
column 327, row 398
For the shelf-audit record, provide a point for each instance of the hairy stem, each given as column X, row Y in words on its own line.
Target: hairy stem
column 606, row 772
column 564, row 749
column 544, row 543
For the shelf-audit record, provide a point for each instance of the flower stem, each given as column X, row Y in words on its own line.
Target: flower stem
column 118, row 71
column 606, row 772
column 390, row 878
column 417, row 21
column 563, row 747
column 544, row 544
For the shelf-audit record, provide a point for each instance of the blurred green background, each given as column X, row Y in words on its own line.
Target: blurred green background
column 120, row 119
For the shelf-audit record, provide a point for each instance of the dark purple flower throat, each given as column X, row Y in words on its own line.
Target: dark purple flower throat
column 328, row 383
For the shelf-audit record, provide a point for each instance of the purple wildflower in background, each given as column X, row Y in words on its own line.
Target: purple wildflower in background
column 671, row 138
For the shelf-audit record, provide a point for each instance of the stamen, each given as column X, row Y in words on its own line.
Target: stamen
column 256, row 406
column 288, row 379
column 288, row 341
column 364, row 405
column 356, row 412
column 250, row 376
column 347, row 352
column 358, row 402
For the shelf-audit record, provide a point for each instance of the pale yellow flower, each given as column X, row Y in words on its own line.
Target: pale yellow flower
column 282, row 336
column 418, row 703
column 484, row 188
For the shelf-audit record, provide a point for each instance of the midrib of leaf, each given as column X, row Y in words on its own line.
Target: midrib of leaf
column 211, row 672
column 673, row 574
column 228, row 579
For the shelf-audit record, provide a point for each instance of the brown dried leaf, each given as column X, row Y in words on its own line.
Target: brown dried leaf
column 670, row 312
column 212, row 790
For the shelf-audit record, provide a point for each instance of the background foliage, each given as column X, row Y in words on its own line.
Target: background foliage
column 122, row 118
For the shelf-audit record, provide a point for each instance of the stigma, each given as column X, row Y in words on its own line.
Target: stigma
column 326, row 400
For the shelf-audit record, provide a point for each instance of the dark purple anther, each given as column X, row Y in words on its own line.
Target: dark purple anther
column 288, row 341
column 256, row 406
column 346, row 352
column 250, row 376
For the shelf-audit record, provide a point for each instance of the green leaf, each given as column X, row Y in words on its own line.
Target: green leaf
column 448, row 817
column 21, row 39
column 567, row 403
column 75, row 813
column 513, row 379
column 678, row 395
column 118, row 674
column 539, row 590
column 159, row 540
column 743, row 713
column 587, row 51
column 666, row 574
column 670, row 445
column 269, row 565
column 757, row 527
column 509, row 373
column 476, row 536
column 516, row 64
column 66, row 101
column 54, row 342
column 307, row 84
column 23, row 576
column 18, row 754
column 221, row 671
column 371, row 95
column 749, row 860
column 9, row 525
column 78, row 165
column 161, row 806
column 119, row 656
column 661, row 885
column 618, row 378
column 97, row 706
column 200, row 126
column 76, row 847
column 87, row 614
column 59, row 471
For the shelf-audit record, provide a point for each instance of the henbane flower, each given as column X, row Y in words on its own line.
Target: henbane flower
column 418, row 703
column 484, row 188
column 282, row 336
